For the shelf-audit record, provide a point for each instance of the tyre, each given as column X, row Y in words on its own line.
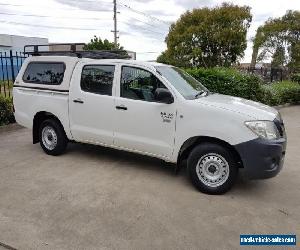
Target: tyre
column 212, row 168
column 52, row 137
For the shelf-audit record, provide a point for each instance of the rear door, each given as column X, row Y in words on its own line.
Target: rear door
column 141, row 123
column 92, row 103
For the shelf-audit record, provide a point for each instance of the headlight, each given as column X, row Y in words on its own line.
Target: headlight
column 264, row 129
column 278, row 117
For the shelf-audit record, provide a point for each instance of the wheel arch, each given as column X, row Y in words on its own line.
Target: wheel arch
column 38, row 119
column 190, row 143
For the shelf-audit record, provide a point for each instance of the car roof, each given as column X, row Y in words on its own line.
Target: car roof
column 88, row 60
column 125, row 61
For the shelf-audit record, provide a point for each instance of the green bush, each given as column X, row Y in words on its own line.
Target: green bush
column 281, row 93
column 6, row 111
column 229, row 81
column 296, row 78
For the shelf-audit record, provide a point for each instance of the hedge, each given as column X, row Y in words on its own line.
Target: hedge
column 281, row 93
column 230, row 81
column 6, row 111
column 296, row 78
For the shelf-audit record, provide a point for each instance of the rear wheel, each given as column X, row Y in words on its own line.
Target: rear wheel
column 212, row 168
column 52, row 137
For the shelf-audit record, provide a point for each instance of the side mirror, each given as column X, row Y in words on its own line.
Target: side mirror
column 163, row 95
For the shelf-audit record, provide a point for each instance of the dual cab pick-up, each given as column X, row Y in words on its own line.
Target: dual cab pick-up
column 151, row 109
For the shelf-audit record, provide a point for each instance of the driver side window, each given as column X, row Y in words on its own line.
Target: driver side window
column 139, row 84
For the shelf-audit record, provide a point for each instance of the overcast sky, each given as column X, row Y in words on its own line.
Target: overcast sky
column 143, row 24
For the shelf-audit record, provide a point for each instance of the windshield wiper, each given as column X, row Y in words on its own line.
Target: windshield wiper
column 200, row 93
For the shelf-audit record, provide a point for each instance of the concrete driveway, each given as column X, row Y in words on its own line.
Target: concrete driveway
column 98, row 198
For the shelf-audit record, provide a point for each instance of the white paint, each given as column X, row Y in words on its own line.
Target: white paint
column 140, row 128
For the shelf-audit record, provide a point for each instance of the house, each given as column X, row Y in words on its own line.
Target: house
column 17, row 43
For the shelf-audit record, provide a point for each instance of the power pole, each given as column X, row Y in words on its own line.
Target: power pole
column 115, row 31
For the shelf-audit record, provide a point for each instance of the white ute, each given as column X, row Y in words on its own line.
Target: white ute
column 151, row 109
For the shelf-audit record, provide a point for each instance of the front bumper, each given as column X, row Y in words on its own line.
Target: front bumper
column 262, row 158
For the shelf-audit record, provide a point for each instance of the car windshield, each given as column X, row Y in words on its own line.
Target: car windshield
column 185, row 84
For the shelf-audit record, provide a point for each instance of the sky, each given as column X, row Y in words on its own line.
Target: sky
column 143, row 25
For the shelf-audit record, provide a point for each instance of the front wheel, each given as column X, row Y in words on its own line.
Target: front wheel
column 52, row 137
column 212, row 168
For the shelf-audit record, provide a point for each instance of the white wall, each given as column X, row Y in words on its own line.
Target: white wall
column 17, row 43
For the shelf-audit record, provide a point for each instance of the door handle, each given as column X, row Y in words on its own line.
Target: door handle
column 78, row 101
column 121, row 107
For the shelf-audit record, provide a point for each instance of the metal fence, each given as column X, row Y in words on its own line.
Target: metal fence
column 10, row 64
column 269, row 74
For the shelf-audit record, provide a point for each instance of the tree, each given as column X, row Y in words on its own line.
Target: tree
column 279, row 39
column 208, row 37
column 97, row 44
column 278, row 58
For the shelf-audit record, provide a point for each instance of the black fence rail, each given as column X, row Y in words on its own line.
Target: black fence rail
column 10, row 64
column 269, row 74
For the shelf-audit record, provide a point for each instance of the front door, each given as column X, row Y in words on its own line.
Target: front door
column 141, row 123
column 92, row 103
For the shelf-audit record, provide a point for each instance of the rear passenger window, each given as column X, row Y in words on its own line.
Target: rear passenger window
column 98, row 79
column 48, row 73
